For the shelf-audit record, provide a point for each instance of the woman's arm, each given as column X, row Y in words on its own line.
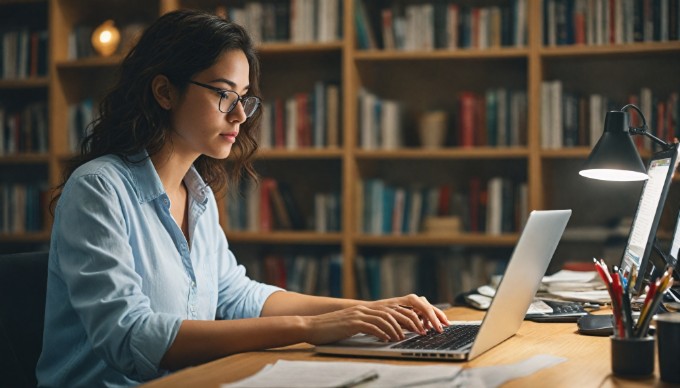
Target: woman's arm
column 289, row 318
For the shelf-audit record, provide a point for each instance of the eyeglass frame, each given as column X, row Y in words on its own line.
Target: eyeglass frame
column 223, row 94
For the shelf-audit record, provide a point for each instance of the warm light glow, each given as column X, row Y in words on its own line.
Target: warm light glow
column 105, row 36
column 606, row 174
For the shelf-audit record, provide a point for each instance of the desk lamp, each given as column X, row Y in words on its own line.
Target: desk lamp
column 615, row 157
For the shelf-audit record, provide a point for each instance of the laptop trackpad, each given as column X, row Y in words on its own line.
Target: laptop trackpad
column 364, row 340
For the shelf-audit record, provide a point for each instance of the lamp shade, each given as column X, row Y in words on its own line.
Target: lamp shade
column 615, row 157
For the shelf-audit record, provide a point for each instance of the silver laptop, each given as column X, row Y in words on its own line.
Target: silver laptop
column 521, row 280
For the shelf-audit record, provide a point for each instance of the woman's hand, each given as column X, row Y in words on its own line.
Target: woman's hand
column 384, row 319
column 419, row 312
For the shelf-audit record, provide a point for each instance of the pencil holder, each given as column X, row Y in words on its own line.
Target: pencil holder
column 632, row 357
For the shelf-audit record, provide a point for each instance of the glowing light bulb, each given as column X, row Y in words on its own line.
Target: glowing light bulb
column 105, row 38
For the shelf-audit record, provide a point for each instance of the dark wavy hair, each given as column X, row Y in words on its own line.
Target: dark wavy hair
column 178, row 45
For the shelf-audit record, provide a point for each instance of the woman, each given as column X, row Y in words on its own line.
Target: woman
column 141, row 279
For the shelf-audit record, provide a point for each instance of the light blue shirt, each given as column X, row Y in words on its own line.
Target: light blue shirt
column 122, row 277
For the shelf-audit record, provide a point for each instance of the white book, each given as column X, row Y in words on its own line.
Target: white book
column 320, row 219
column 252, row 195
column 628, row 16
column 291, row 124
column 426, row 26
column 494, row 206
column 596, row 119
column 24, row 49
column 367, row 128
column 389, row 125
column 332, row 115
column 590, row 7
column 646, row 108
column 606, row 24
column 410, row 32
column 520, row 23
column 319, row 114
column 663, row 29
column 557, row 124
column 502, row 116
column 546, row 115
column 253, row 15
column 452, row 26
column 552, row 25
column 618, row 21
column 483, row 28
column 265, row 140
column 415, row 210
column 599, row 22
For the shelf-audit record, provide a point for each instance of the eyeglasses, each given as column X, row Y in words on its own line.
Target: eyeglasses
column 229, row 99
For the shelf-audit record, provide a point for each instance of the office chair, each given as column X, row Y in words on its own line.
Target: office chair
column 23, row 284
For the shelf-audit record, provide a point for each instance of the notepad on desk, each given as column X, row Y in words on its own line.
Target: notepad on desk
column 320, row 374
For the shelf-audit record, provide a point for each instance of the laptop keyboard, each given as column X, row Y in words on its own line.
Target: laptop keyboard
column 453, row 337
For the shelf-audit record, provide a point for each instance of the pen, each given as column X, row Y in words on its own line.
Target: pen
column 368, row 376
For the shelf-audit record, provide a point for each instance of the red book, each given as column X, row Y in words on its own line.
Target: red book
column 661, row 132
column 279, row 124
column 444, row 206
column 266, row 215
column 466, row 135
column 579, row 28
column 303, row 125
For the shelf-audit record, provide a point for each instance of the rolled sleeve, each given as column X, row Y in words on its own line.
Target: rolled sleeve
column 239, row 296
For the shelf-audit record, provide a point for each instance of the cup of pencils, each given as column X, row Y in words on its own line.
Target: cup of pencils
column 632, row 347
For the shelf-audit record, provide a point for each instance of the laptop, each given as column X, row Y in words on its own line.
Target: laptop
column 466, row 340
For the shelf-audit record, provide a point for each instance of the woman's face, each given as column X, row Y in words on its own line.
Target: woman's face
column 197, row 125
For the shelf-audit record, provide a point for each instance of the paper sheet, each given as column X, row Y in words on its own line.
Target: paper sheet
column 304, row 374
column 493, row 376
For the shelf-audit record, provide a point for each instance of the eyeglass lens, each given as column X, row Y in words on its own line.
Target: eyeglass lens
column 229, row 100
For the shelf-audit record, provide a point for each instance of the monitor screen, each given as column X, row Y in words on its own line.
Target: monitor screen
column 675, row 241
column 643, row 230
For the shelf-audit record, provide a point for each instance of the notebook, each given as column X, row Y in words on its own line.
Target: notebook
column 521, row 280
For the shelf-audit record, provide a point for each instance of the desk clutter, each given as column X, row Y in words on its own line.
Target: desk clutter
column 632, row 348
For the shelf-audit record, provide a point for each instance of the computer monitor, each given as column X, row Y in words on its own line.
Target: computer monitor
column 672, row 258
column 642, row 237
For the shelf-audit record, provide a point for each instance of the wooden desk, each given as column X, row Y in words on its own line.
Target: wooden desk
column 587, row 365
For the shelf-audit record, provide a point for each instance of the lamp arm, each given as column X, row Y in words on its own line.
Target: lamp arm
column 644, row 130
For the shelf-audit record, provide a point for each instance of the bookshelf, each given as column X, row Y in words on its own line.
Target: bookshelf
column 418, row 79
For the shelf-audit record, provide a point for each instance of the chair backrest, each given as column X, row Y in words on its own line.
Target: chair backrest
column 23, row 284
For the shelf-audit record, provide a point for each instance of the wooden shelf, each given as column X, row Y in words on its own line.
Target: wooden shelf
column 446, row 153
column 23, row 158
column 394, row 55
column 304, row 153
column 26, row 237
column 284, row 237
column 288, row 48
column 91, row 62
column 25, row 83
column 632, row 49
column 468, row 239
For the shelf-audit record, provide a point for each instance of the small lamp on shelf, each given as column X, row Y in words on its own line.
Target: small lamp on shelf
column 614, row 157
column 105, row 38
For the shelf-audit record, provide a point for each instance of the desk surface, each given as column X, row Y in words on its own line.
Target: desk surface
column 587, row 365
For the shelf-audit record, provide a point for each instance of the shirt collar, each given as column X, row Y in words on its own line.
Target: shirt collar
column 148, row 185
